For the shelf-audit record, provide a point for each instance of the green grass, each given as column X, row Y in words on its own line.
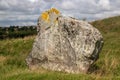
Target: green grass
column 14, row 51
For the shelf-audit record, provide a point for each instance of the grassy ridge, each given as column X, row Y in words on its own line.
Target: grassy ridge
column 109, row 62
column 14, row 51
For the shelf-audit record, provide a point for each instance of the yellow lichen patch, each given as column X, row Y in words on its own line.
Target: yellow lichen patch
column 56, row 21
column 45, row 16
column 55, row 11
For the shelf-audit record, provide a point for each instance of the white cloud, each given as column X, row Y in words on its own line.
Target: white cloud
column 105, row 4
column 20, row 12
column 89, row 8
column 68, row 5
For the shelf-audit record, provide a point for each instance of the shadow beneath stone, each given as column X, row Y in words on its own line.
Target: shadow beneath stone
column 93, row 69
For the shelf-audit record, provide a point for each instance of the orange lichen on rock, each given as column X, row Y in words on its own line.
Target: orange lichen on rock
column 55, row 11
column 46, row 15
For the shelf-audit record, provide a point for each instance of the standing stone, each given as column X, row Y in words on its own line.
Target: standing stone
column 64, row 44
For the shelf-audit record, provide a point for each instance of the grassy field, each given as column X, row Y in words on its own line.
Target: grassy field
column 14, row 51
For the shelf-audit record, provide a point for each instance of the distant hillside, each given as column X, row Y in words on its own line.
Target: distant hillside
column 108, row 25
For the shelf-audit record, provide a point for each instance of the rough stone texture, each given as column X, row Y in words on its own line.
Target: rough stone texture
column 64, row 44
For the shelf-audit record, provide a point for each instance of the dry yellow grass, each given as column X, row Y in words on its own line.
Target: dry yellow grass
column 2, row 58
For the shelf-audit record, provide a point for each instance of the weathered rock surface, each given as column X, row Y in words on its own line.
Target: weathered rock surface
column 64, row 44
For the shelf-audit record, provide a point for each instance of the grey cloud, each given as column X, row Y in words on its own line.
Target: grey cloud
column 17, row 12
column 25, row 12
column 96, row 8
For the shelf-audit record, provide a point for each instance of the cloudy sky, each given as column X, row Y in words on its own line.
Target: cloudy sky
column 26, row 12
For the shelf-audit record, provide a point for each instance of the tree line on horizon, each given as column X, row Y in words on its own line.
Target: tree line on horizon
column 17, row 31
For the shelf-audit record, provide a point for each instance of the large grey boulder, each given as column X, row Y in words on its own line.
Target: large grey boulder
column 64, row 44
